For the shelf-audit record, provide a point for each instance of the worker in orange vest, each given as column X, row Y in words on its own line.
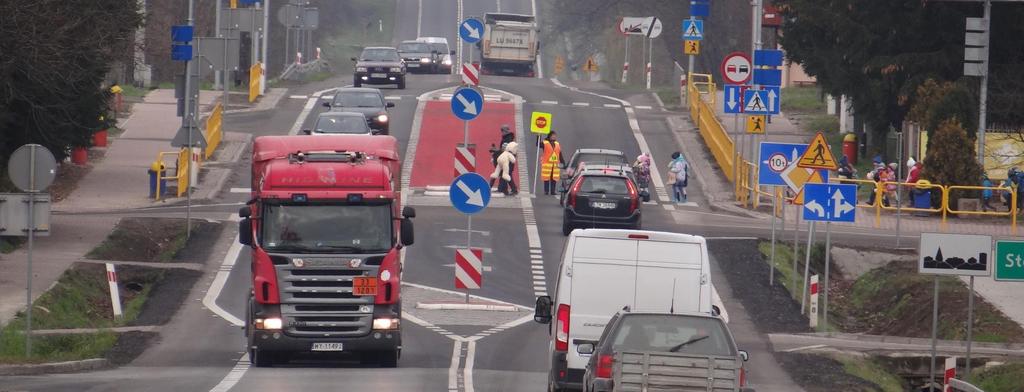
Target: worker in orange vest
column 551, row 163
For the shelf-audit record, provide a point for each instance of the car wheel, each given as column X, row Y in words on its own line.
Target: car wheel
column 389, row 359
column 401, row 83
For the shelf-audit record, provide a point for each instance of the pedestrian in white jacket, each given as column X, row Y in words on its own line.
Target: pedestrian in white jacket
column 503, row 168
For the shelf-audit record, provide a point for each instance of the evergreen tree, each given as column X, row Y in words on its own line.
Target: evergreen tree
column 951, row 158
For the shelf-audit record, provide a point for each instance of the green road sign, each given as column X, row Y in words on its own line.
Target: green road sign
column 1010, row 261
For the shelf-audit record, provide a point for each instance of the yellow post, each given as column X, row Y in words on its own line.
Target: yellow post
column 945, row 209
column 878, row 205
column 1013, row 212
column 157, row 167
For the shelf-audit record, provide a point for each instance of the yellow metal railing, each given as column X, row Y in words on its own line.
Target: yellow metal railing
column 255, row 73
column 181, row 174
column 214, row 130
column 702, row 94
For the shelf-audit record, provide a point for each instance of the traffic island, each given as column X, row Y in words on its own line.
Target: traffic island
column 74, row 325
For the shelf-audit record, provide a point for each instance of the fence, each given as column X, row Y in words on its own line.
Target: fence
column 711, row 129
column 214, row 130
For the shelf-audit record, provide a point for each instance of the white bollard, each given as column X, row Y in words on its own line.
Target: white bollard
column 648, row 76
column 115, row 294
column 949, row 374
column 625, row 72
column 193, row 167
column 813, row 310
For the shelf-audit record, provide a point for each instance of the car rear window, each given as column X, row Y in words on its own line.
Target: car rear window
column 440, row 47
column 673, row 333
column 592, row 159
column 341, row 124
column 604, row 184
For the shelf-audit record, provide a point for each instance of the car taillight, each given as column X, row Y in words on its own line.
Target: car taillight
column 572, row 193
column 562, row 329
column 604, row 366
column 634, row 196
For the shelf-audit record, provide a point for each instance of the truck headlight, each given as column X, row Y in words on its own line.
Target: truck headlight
column 382, row 118
column 424, row 60
column 447, row 61
column 385, row 323
column 396, row 69
column 269, row 323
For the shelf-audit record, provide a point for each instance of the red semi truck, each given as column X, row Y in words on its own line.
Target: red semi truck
column 326, row 229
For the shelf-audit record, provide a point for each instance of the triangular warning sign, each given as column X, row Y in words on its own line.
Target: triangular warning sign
column 818, row 155
column 815, row 178
column 755, row 105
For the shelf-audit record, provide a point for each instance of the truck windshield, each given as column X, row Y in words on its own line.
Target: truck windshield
column 327, row 228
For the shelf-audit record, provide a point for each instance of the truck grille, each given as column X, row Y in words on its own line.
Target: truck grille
column 317, row 299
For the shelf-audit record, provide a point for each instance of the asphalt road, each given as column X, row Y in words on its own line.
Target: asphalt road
column 201, row 350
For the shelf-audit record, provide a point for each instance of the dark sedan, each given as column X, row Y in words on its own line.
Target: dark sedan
column 379, row 65
column 601, row 196
column 419, row 57
column 369, row 102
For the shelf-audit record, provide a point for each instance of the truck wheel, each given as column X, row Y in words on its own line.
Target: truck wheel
column 389, row 359
column 401, row 83
column 553, row 388
column 357, row 83
column 261, row 358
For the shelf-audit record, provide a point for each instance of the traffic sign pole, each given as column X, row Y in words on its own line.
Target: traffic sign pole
column 771, row 269
column 970, row 321
column 828, row 254
column 807, row 264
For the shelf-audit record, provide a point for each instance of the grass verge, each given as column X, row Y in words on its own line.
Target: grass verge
column 669, row 97
column 869, row 370
column 802, row 99
column 1002, row 378
column 53, row 348
column 142, row 239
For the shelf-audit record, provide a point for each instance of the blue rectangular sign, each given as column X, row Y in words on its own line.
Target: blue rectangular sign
column 773, row 94
column 181, row 33
column 767, row 58
column 732, row 99
column 774, row 159
column 767, row 77
column 181, row 52
column 830, row 202
column 700, row 9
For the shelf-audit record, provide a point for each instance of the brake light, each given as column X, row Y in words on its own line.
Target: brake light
column 562, row 329
column 634, row 196
column 604, row 366
column 639, row 237
column 574, row 191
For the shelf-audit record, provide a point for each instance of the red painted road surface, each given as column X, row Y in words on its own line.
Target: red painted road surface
column 441, row 131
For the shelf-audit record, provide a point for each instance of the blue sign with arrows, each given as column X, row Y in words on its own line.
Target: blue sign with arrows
column 467, row 103
column 775, row 159
column 830, row 202
column 773, row 95
column 471, row 30
column 470, row 193
column 733, row 98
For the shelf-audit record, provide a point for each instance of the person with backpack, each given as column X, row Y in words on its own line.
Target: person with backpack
column 678, row 177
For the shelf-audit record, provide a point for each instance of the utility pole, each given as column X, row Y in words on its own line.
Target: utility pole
column 188, row 120
column 218, row 75
column 266, row 37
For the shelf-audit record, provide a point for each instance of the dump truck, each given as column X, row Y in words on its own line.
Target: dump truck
column 509, row 45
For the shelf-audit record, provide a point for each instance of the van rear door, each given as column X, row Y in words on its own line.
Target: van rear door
column 603, row 274
column 671, row 268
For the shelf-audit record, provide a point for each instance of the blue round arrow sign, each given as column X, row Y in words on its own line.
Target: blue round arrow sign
column 467, row 103
column 471, row 30
column 470, row 193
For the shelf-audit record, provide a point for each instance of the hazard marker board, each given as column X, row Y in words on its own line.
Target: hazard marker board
column 818, row 155
column 468, row 268
column 540, row 123
column 591, row 65
column 465, row 159
column 471, row 74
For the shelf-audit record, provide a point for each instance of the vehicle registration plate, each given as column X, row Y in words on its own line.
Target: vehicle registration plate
column 364, row 285
column 378, row 75
column 412, row 65
column 327, row 347
column 604, row 205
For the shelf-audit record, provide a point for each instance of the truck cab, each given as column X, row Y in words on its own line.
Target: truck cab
column 325, row 228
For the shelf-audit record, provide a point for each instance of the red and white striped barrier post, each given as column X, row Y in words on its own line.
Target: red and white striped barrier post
column 625, row 72
column 470, row 74
column 115, row 294
column 318, row 53
column 298, row 58
column 469, row 269
column 465, row 159
column 813, row 311
column 950, row 373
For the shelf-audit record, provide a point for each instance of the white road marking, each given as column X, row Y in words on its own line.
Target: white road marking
column 644, row 107
column 210, row 300
column 580, row 104
column 811, row 347
column 310, row 104
column 549, row 102
column 612, row 105
column 240, row 190
column 467, row 371
column 298, row 96
column 393, row 98
column 668, row 207
column 233, row 376
column 453, row 369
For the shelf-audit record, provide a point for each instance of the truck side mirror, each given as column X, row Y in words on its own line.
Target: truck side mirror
column 408, row 212
column 245, row 231
column 389, row 105
column 406, row 232
column 327, row 104
column 245, row 212
column 744, row 356
column 542, row 312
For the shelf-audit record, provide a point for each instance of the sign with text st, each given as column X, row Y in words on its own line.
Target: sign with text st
column 1009, row 261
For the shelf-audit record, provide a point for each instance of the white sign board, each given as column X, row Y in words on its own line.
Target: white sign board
column 647, row 26
column 955, row 254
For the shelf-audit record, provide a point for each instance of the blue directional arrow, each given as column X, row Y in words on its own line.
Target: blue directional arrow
column 470, row 193
column 830, row 202
column 733, row 98
column 471, row 30
column 467, row 103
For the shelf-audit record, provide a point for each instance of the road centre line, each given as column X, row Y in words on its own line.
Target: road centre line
column 453, row 369
column 580, row 104
column 612, row 105
column 549, row 102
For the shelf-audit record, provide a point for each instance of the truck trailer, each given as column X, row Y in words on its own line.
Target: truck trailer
column 509, row 45
column 325, row 228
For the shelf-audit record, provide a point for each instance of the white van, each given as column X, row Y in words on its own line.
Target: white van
column 602, row 271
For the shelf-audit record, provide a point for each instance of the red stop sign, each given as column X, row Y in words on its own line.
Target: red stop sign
column 541, row 122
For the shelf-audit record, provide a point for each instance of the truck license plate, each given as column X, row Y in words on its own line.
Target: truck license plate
column 378, row 75
column 604, row 205
column 412, row 65
column 364, row 285
column 327, row 347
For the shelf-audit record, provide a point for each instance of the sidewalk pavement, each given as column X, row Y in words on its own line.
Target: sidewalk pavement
column 117, row 182
column 719, row 193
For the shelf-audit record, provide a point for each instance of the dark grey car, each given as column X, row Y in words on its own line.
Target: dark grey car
column 419, row 57
column 340, row 123
column 379, row 65
column 369, row 102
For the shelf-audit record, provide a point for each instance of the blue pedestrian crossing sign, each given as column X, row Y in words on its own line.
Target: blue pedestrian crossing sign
column 471, row 30
column 467, row 103
column 693, row 29
column 733, row 98
column 470, row 193
column 830, row 202
column 755, row 102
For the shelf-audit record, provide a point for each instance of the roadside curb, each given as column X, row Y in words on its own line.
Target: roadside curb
column 54, row 367
column 268, row 102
